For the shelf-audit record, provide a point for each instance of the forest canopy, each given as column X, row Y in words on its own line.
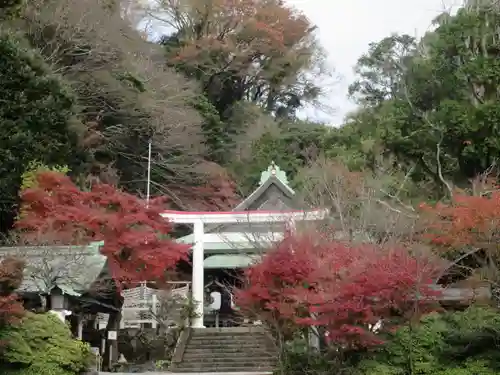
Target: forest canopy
column 409, row 179
column 220, row 95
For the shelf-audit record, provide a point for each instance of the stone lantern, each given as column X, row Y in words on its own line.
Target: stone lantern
column 59, row 303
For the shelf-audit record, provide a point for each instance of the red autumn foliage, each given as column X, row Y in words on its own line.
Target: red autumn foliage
column 467, row 220
column 243, row 28
column 11, row 277
column 134, row 233
column 342, row 287
column 252, row 39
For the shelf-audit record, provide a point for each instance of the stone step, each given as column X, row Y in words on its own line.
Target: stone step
column 226, row 338
column 197, row 341
column 215, row 345
column 230, row 348
column 234, row 330
column 227, row 359
column 229, row 351
column 221, row 358
column 233, row 347
column 228, row 334
column 238, row 339
column 224, row 367
column 225, row 370
column 235, row 362
column 232, row 352
column 228, row 342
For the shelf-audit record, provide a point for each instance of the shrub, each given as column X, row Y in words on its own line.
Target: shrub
column 305, row 363
column 42, row 345
column 453, row 343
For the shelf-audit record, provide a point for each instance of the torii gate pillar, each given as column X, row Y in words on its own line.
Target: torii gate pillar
column 198, row 274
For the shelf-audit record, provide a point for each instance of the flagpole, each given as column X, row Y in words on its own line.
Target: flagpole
column 149, row 172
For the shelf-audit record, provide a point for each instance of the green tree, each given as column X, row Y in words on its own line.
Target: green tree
column 290, row 144
column 37, row 120
column 10, row 8
column 381, row 70
column 433, row 103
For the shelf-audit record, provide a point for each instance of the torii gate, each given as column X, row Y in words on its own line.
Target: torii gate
column 199, row 219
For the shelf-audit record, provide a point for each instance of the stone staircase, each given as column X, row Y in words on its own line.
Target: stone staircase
column 238, row 349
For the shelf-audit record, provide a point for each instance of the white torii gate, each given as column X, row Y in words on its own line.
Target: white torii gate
column 199, row 219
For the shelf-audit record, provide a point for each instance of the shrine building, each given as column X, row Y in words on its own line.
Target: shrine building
column 227, row 242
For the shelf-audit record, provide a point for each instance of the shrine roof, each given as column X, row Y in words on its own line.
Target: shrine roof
column 272, row 179
column 257, row 221
column 272, row 176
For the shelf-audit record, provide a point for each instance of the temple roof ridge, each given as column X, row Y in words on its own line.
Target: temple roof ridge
column 274, row 171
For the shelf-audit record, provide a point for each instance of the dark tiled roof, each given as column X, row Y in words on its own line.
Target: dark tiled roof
column 71, row 268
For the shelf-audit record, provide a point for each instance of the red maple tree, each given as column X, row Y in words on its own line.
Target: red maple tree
column 135, row 235
column 242, row 30
column 465, row 231
column 345, row 288
column 11, row 277
column 467, row 220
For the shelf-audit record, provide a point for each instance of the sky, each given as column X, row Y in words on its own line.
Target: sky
column 346, row 27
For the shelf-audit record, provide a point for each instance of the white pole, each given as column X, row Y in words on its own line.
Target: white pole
column 154, row 302
column 110, row 355
column 80, row 328
column 198, row 274
column 149, row 171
